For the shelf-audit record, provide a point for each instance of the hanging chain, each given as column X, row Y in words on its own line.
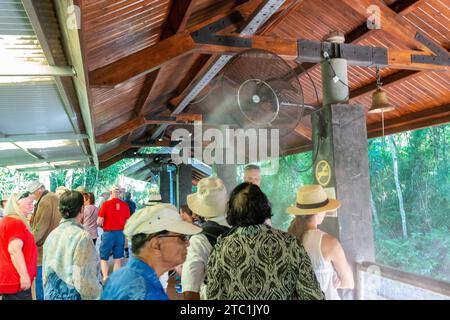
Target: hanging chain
column 378, row 77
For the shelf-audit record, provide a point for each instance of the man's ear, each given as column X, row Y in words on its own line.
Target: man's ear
column 154, row 244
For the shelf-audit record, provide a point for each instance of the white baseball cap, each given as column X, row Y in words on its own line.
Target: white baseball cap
column 158, row 218
column 34, row 186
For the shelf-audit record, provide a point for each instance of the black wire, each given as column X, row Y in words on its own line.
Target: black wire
column 335, row 75
column 316, row 153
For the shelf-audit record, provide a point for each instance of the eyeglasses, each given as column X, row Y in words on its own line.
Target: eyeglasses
column 24, row 195
column 182, row 237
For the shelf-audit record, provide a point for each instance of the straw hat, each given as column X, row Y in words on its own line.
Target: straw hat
column 154, row 199
column 211, row 198
column 312, row 199
column 34, row 186
column 158, row 218
column 81, row 189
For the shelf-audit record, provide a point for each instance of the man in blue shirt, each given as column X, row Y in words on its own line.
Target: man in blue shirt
column 159, row 239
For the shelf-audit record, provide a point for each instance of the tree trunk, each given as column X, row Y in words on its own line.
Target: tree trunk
column 85, row 179
column 69, row 179
column 397, row 185
column 374, row 211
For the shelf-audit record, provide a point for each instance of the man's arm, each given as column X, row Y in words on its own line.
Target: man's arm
column 15, row 251
column 194, row 268
column 41, row 223
column 101, row 215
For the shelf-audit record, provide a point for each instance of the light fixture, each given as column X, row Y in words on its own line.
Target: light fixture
column 380, row 102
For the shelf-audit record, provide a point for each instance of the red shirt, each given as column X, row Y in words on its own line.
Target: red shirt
column 115, row 212
column 10, row 229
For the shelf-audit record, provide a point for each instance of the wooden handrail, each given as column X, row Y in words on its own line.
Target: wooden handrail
column 423, row 282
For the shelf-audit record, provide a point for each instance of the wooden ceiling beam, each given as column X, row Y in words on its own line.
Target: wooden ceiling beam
column 114, row 152
column 138, row 122
column 179, row 14
column 391, row 22
column 143, row 62
column 111, row 161
column 285, row 48
column 154, row 57
column 386, row 81
column 304, row 131
column 131, row 145
column 121, row 130
column 412, row 121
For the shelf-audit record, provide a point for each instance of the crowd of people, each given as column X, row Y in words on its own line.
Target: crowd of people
column 57, row 246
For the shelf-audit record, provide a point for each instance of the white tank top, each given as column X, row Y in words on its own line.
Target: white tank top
column 312, row 241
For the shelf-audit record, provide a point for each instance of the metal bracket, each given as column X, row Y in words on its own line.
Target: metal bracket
column 442, row 58
column 315, row 52
column 207, row 33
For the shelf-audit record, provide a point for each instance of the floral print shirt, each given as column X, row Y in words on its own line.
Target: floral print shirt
column 69, row 253
column 260, row 263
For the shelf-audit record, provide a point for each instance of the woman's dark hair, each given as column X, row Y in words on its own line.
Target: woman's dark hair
column 247, row 206
column 89, row 196
column 185, row 208
column 139, row 240
column 70, row 204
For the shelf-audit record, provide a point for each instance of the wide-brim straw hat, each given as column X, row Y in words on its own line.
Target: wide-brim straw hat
column 161, row 217
column 211, row 198
column 312, row 199
column 154, row 199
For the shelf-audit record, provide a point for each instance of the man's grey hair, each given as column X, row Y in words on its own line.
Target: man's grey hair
column 251, row 167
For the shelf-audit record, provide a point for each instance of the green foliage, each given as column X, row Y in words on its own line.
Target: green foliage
column 424, row 174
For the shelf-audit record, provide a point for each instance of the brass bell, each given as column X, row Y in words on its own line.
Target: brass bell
column 380, row 102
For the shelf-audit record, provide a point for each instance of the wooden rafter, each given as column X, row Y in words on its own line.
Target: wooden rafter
column 138, row 64
column 111, row 161
column 387, row 81
column 128, row 145
column 138, row 122
column 391, row 22
column 179, row 14
column 416, row 120
column 121, row 130
column 163, row 52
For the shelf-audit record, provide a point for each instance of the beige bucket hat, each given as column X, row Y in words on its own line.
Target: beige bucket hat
column 211, row 198
column 312, row 199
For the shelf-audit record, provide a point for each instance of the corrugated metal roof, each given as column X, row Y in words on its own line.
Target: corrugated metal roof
column 14, row 19
column 31, row 105
column 32, row 108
